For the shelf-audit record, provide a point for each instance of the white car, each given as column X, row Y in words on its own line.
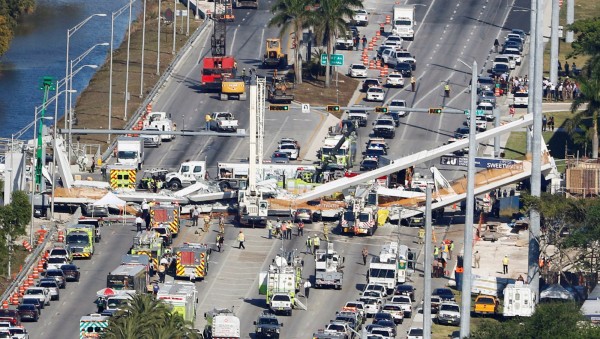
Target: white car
column 361, row 17
column 291, row 149
column 18, row 332
column 514, row 53
column 397, row 106
column 395, row 310
column 375, row 94
column 55, row 262
column 503, row 59
column 404, row 302
column 357, row 71
column 395, row 39
column 151, row 140
column 52, row 287
column 376, row 287
column 41, row 293
column 414, row 333
column 394, row 80
column 449, row 313
column 372, row 305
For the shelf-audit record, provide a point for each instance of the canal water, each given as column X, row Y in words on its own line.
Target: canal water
column 39, row 49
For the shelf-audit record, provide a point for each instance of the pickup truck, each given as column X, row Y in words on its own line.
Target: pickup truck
column 223, row 122
column 281, row 303
column 486, row 304
column 151, row 140
column 358, row 114
column 404, row 302
column 345, row 41
column 384, row 127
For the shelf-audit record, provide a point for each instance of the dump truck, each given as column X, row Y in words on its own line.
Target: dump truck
column 281, row 283
column 274, row 57
column 232, row 87
column 92, row 326
column 80, row 240
column 151, row 244
column 166, row 214
column 192, row 261
column 328, row 268
column 182, row 296
column 278, row 91
column 221, row 324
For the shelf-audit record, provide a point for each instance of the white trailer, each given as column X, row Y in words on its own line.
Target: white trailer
column 404, row 21
column 519, row 300
column 130, row 151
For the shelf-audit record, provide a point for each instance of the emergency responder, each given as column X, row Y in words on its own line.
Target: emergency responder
column 413, row 83
column 218, row 241
column 284, row 232
column 221, row 241
column 365, row 254
column 447, row 90
column 222, row 223
column 316, row 243
column 309, row 243
column 195, row 216
column 208, row 119
column 301, row 228
column 270, row 228
column 161, row 273
column 241, row 238
column 138, row 223
column 306, row 286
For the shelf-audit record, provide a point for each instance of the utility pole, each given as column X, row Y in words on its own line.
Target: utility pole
column 532, row 72
column 554, row 41
column 158, row 41
column 465, row 307
column 533, row 272
column 570, row 19
column 427, row 265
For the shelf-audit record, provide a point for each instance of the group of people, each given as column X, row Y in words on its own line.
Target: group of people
column 565, row 89
column 284, row 229
column 154, row 183
column 547, row 123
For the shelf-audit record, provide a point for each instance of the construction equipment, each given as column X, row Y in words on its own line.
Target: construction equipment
column 224, row 10
column 221, row 323
column 233, row 87
column 192, row 261
column 253, row 208
column 148, row 243
column 166, row 214
column 278, row 91
column 182, row 296
column 328, row 268
column 273, row 57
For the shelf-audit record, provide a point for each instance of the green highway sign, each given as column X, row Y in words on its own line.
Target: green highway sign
column 478, row 112
column 334, row 59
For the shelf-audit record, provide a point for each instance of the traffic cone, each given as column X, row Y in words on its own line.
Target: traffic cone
column 27, row 245
column 36, row 273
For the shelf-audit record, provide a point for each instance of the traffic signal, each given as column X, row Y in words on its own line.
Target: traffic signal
column 333, row 108
column 279, row 107
column 435, row 110
column 381, row 109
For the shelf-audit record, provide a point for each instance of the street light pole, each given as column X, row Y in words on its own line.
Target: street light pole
column 143, row 48
column 127, row 66
column 465, row 309
column 427, row 266
column 533, row 76
column 110, row 76
column 158, row 41
column 70, row 32
column 554, row 44
column 174, row 24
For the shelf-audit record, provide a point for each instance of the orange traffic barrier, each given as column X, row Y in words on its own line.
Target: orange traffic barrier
column 30, row 279
column 372, row 64
column 379, row 66
column 36, row 273
column 26, row 284
column 371, row 44
column 497, row 91
column 15, row 299
column 27, row 245
column 21, row 290
column 61, row 236
column 388, row 19
column 40, row 266
column 40, row 240
column 5, row 304
column 377, row 33
column 383, row 72
column 148, row 108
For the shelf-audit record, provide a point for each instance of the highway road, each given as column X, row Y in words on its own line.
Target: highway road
column 447, row 31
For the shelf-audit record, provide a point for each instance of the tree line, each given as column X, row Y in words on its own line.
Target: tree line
column 10, row 12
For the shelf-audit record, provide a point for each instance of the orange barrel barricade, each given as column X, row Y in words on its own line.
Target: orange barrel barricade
column 26, row 284
column 61, row 236
column 377, row 33
column 21, row 290
column 5, row 304
column 15, row 299
column 27, row 245
column 30, row 279
column 379, row 64
column 388, row 19
column 36, row 273
column 372, row 64
column 497, row 91
column 40, row 265
column 370, row 48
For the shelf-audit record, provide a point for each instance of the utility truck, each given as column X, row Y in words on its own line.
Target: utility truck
column 188, row 174
column 403, row 23
column 281, row 283
column 221, row 323
column 383, row 268
column 223, row 122
column 182, row 296
column 130, row 151
column 328, row 268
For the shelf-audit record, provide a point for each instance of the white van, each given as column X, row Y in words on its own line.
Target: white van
column 503, row 59
column 164, row 125
column 521, row 99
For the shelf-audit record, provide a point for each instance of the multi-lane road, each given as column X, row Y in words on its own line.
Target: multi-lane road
column 448, row 31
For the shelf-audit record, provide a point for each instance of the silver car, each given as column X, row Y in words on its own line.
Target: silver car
column 52, row 287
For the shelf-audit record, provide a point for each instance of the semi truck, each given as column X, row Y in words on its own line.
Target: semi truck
column 192, row 261
column 130, row 151
column 92, row 326
column 80, row 240
column 182, row 296
column 132, row 274
column 221, row 324
column 403, row 23
column 328, row 268
column 167, row 215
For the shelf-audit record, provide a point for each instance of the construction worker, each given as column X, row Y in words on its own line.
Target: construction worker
column 206, row 222
column 413, row 83
column 270, row 229
column 301, row 228
column 309, row 245
column 222, row 223
column 241, row 238
column 284, row 230
column 447, row 90
column 450, row 249
column 208, row 119
column 326, row 232
column 316, row 243
column 365, row 254
column 290, row 228
column 505, row 264
column 436, row 252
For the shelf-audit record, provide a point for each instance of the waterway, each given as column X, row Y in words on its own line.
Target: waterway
column 39, row 49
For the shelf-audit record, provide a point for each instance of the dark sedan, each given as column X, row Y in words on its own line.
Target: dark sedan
column 500, row 69
column 369, row 164
column 404, row 68
column 405, row 289
column 28, row 312
column 71, row 272
column 37, row 303
column 444, row 294
column 11, row 316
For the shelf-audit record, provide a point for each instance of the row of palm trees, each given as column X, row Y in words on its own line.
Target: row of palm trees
column 328, row 18
column 145, row 317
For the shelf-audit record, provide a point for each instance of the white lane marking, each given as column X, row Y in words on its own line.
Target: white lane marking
column 262, row 39
column 273, row 140
column 233, row 39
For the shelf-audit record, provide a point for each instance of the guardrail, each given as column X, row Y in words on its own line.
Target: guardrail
column 161, row 81
column 34, row 257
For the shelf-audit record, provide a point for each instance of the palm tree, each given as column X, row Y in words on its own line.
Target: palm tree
column 291, row 16
column 145, row 317
column 330, row 19
column 589, row 89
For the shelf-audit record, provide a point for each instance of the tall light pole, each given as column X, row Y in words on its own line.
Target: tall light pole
column 158, row 41
column 143, row 48
column 110, row 76
column 533, row 76
column 570, row 19
column 554, row 43
column 428, row 263
column 174, row 24
column 73, row 63
column 127, row 66
column 465, row 307
column 70, row 32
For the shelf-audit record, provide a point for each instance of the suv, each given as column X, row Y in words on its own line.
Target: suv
column 358, row 114
column 449, row 313
column 267, row 326
column 404, row 56
column 405, row 68
column 370, row 82
column 384, row 127
column 42, row 293
column 281, row 302
column 397, row 106
column 360, row 17
column 395, row 310
column 405, row 302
